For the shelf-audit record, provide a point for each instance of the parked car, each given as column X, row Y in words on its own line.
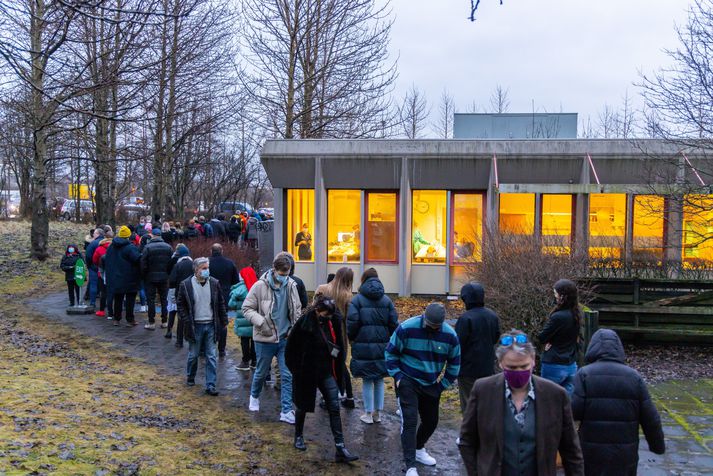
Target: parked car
column 267, row 211
column 69, row 210
column 233, row 207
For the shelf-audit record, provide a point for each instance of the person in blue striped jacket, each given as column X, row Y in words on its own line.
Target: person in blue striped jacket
column 418, row 352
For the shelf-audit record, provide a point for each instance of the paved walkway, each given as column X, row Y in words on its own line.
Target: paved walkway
column 686, row 408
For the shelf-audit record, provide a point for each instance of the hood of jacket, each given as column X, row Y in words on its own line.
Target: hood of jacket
column 270, row 280
column 106, row 242
column 473, row 295
column 372, row 289
column 605, row 345
column 120, row 242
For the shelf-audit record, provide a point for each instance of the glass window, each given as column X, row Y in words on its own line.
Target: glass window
column 556, row 223
column 517, row 213
column 381, row 227
column 467, row 226
column 300, row 223
column 428, row 227
column 698, row 229
column 607, row 225
column 343, row 226
column 648, row 228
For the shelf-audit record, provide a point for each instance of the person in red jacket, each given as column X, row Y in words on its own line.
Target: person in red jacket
column 102, row 289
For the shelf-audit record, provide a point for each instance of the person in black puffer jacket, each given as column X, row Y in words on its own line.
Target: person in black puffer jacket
column 478, row 331
column 123, row 273
column 611, row 400
column 371, row 319
column 234, row 229
column 155, row 259
column 560, row 337
column 180, row 271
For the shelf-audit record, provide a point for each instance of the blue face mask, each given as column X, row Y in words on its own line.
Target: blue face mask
column 280, row 279
column 205, row 273
column 71, row 250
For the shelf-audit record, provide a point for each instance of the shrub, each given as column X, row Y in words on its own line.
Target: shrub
column 242, row 256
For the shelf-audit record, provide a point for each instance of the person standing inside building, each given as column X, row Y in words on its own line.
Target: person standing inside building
column 515, row 423
column 122, row 262
column 154, row 268
column 303, row 242
column 201, row 307
column 371, row 320
column 478, row 331
column 224, row 270
column 418, row 352
column 315, row 356
column 340, row 290
column 561, row 336
column 272, row 307
column 611, row 401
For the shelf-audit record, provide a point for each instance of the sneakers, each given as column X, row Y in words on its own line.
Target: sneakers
column 288, row 417
column 243, row 366
column 254, row 405
column 151, row 327
column 179, row 345
column 168, row 335
column 211, row 391
column 398, row 412
column 143, row 309
column 348, row 403
column 367, row 418
column 164, row 325
column 109, row 318
column 423, row 457
column 376, row 416
column 190, row 382
column 100, row 314
column 412, row 472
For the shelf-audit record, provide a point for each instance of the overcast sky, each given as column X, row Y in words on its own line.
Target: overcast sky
column 572, row 55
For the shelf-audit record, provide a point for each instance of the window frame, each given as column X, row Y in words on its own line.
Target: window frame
column 288, row 238
column 361, row 226
column 447, row 218
column 367, row 233
column 573, row 218
column 451, row 232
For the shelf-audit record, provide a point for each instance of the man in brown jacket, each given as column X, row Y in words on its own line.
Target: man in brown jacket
column 515, row 422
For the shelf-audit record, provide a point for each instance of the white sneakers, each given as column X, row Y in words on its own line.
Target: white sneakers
column 254, row 404
column 143, row 309
column 412, row 472
column 423, row 457
column 376, row 416
column 288, row 417
column 150, row 327
column 367, row 418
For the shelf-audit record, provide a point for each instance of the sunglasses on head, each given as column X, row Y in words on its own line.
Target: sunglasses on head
column 519, row 339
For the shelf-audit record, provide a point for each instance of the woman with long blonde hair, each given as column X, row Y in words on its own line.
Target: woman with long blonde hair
column 340, row 290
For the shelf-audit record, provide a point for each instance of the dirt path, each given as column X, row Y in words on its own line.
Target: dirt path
column 378, row 445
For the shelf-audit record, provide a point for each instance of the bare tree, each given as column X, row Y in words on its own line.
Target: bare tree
column 413, row 113
column 500, row 100
column 474, row 4
column 446, row 110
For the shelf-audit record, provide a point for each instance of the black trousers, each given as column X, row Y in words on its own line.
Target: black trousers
column 330, row 392
column 347, row 382
column 416, row 400
column 247, row 345
column 101, row 292
column 179, row 326
column 222, row 340
column 151, row 289
column 73, row 291
column 121, row 299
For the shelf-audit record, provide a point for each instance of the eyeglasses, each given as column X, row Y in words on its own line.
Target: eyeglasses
column 508, row 340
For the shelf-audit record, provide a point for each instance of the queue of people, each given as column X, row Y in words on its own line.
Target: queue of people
column 514, row 422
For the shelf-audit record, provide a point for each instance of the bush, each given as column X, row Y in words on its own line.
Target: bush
column 242, row 256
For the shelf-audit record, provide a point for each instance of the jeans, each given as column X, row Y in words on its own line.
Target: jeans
column 204, row 340
column 73, row 291
column 265, row 353
column 93, row 285
column 416, row 401
column 127, row 299
column 142, row 295
column 162, row 289
column 562, row 375
column 373, row 389
column 329, row 390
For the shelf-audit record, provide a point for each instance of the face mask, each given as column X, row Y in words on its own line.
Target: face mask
column 205, row 273
column 280, row 279
column 71, row 250
column 517, row 378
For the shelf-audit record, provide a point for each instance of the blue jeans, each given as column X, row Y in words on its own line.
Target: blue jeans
column 373, row 389
column 142, row 295
column 265, row 352
column 562, row 375
column 205, row 339
column 93, row 286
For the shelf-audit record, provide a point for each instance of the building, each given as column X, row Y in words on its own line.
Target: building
column 515, row 125
column 413, row 209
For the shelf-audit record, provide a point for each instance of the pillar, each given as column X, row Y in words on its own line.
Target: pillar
column 278, row 200
column 405, row 230
column 320, row 226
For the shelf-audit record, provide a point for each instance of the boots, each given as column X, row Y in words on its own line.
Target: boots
column 343, row 455
column 300, row 443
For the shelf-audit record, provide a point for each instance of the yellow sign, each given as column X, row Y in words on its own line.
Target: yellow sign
column 83, row 191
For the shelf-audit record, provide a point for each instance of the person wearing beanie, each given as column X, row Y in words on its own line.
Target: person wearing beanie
column 478, row 330
column 124, row 232
column 123, row 274
column 417, row 353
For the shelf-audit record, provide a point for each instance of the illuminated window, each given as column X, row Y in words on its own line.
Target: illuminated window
column 698, row 229
column 556, row 223
column 517, row 213
column 428, row 228
column 381, row 227
column 607, row 225
column 343, row 226
column 300, row 223
column 467, row 226
column 648, row 228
